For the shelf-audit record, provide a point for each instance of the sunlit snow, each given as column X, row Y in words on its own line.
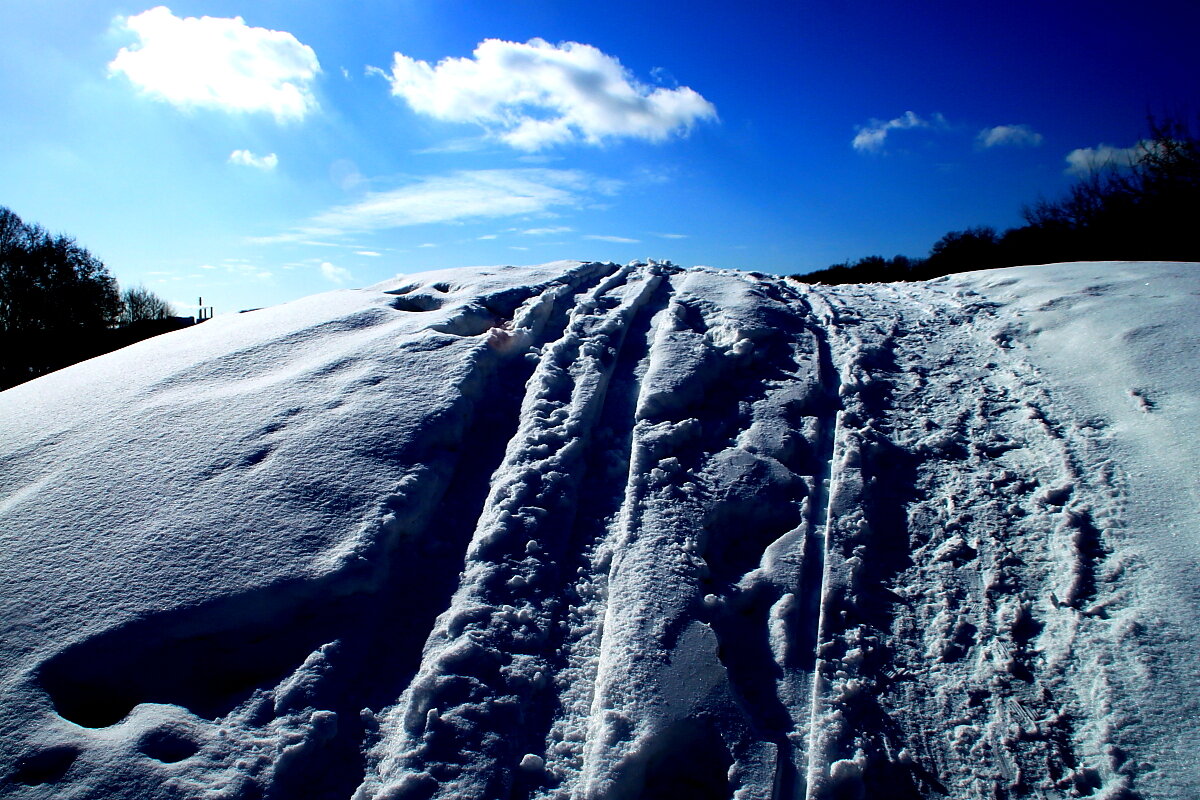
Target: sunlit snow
column 595, row 531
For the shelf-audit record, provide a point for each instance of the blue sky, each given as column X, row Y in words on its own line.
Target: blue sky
column 254, row 152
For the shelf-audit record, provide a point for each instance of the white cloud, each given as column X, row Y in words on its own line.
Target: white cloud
column 487, row 236
column 345, row 175
column 663, row 77
column 427, row 244
column 248, row 159
column 536, row 94
column 367, row 253
column 1008, row 136
column 870, row 137
column 673, row 235
column 1085, row 160
column 219, row 63
column 546, row 231
column 335, row 274
column 241, row 268
column 616, row 239
column 476, row 194
column 469, row 144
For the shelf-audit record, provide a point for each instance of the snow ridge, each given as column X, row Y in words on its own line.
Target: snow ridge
column 615, row 532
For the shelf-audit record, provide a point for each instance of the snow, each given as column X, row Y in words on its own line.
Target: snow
column 1121, row 344
column 598, row 531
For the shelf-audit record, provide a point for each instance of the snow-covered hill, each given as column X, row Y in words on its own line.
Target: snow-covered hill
column 590, row 531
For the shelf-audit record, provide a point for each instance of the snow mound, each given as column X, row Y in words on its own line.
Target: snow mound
column 590, row 531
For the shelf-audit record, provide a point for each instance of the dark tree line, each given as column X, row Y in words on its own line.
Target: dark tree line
column 1143, row 211
column 59, row 304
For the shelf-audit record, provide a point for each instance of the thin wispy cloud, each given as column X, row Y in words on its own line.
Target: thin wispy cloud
column 240, row 268
column 469, row 144
column 371, row 253
column 457, row 197
column 247, row 159
column 1008, row 136
column 535, row 95
column 872, row 136
column 614, row 239
column 672, row 235
column 217, row 63
column 545, row 231
column 663, row 77
column 334, row 273
column 1086, row 160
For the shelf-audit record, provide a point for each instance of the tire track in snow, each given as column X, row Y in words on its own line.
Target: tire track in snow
column 954, row 687
column 259, row 665
column 848, row 751
column 595, row 526
column 1053, row 583
column 799, row 687
column 485, row 664
column 729, row 398
column 702, row 579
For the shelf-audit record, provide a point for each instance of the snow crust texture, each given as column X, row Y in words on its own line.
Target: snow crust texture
column 589, row 531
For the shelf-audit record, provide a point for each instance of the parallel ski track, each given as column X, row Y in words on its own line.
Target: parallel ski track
column 873, row 715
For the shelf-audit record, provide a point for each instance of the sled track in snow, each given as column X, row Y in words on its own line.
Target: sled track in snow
column 724, row 536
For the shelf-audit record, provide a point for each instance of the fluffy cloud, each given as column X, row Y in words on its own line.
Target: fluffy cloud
column 219, row 63
column 247, row 159
column 536, row 94
column 468, row 194
column 1085, row 160
column 335, row 274
column 871, row 137
column 1008, row 136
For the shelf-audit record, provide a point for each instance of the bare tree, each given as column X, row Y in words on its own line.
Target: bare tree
column 140, row 303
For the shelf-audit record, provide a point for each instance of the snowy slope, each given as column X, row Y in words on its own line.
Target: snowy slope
column 591, row 531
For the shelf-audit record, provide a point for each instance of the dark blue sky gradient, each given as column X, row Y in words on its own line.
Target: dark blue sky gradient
column 775, row 185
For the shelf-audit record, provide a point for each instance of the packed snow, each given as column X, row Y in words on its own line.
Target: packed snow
column 593, row 531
